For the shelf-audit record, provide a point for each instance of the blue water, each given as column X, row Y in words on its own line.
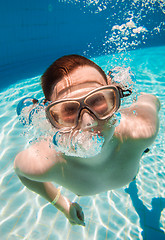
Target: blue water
column 110, row 215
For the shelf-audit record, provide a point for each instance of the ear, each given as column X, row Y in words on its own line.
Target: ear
column 109, row 79
column 45, row 101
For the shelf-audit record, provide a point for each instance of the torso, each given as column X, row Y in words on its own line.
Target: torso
column 116, row 166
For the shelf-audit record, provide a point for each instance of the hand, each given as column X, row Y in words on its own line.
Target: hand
column 75, row 215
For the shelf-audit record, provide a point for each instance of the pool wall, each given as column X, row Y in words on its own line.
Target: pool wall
column 35, row 33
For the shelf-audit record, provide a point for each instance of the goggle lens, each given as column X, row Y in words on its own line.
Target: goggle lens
column 65, row 113
column 102, row 103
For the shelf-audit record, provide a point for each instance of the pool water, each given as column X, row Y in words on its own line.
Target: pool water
column 135, row 213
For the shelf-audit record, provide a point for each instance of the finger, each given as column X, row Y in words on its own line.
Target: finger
column 80, row 213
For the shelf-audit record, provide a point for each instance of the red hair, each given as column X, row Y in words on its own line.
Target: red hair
column 62, row 67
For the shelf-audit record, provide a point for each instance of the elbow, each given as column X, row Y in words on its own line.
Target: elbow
column 152, row 133
column 26, row 169
column 18, row 171
column 16, row 166
column 149, row 100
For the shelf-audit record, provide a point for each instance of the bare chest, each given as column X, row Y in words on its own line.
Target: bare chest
column 117, row 170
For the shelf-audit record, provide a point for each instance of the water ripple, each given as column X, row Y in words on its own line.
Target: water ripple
column 111, row 215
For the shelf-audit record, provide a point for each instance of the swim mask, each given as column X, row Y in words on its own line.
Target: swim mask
column 102, row 102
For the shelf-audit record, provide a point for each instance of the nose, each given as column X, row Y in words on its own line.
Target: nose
column 87, row 120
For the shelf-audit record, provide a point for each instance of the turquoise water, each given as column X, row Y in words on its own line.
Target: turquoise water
column 110, row 215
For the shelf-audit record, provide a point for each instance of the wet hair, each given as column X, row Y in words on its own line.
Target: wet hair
column 61, row 68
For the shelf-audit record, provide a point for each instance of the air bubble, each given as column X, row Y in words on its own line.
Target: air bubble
column 78, row 143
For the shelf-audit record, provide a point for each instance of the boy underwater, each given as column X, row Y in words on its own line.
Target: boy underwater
column 82, row 106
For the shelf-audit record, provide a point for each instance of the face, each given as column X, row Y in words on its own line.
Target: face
column 89, row 131
column 77, row 84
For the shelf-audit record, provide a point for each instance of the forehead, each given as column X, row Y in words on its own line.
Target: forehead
column 79, row 82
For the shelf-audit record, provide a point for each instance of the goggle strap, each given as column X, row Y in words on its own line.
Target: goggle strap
column 124, row 93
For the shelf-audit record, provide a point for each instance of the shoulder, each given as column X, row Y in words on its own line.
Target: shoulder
column 140, row 121
column 36, row 160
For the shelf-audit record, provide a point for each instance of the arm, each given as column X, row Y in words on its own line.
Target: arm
column 149, row 100
column 47, row 190
column 140, row 121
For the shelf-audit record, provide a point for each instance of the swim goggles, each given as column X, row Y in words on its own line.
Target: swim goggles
column 102, row 102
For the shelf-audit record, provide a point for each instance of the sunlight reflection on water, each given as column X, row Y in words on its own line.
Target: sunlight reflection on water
column 108, row 215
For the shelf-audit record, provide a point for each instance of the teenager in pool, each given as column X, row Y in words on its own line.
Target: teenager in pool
column 82, row 104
